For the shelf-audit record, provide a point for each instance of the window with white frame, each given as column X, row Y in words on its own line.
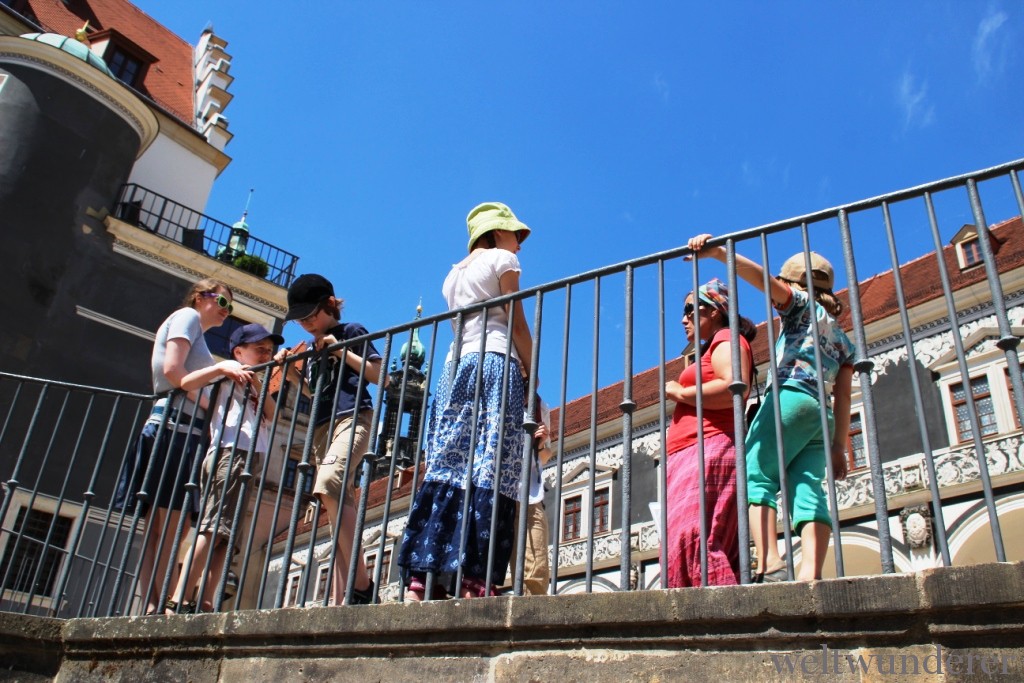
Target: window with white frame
column 1010, row 393
column 291, row 596
column 323, row 571
column 988, row 382
column 581, row 516
column 572, row 518
column 857, row 454
column 385, row 569
column 602, row 512
column 971, row 252
column 983, row 404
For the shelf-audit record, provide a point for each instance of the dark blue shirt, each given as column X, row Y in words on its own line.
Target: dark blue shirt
column 349, row 377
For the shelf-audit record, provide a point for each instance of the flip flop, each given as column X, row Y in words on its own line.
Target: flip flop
column 777, row 576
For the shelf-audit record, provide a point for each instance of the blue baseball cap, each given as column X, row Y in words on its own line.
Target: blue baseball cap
column 252, row 333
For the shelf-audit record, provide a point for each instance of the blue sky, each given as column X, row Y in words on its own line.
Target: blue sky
column 613, row 129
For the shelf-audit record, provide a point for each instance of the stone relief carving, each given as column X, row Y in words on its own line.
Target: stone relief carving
column 928, row 349
column 610, row 458
column 952, row 467
column 643, row 537
column 917, row 526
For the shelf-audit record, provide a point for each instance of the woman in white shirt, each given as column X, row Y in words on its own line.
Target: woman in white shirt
column 458, row 447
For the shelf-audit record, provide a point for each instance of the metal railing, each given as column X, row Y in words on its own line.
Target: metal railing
column 153, row 212
column 926, row 327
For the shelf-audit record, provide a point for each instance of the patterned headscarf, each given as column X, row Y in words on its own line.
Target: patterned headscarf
column 715, row 293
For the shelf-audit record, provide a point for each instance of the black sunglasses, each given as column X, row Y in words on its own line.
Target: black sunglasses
column 688, row 310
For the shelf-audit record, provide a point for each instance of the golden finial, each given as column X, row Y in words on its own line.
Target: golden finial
column 81, row 35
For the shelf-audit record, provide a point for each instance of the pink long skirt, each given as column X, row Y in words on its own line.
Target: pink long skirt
column 683, row 497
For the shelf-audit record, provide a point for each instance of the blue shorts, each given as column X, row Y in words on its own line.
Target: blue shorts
column 158, row 470
column 805, row 449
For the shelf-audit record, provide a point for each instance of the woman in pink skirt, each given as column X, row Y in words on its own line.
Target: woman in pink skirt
column 711, row 304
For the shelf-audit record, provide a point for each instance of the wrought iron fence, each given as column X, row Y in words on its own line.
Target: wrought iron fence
column 153, row 212
column 935, row 317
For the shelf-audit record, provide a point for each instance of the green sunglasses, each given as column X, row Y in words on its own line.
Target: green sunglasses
column 222, row 300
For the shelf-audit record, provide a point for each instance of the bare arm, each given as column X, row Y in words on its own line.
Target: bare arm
column 521, row 337
column 749, row 270
column 543, row 444
column 715, row 392
column 841, row 410
column 352, row 359
column 174, row 368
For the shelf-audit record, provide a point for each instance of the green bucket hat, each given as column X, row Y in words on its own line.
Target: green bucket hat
column 492, row 216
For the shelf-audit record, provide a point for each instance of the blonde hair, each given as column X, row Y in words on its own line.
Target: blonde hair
column 205, row 285
column 829, row 301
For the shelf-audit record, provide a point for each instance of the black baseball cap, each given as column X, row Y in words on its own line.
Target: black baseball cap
column 252, row 333
column 306, row 293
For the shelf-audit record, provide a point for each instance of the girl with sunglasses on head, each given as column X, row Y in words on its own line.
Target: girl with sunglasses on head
column 705, row 311
column 164, row 459
column 805, row 445
column 436, row 525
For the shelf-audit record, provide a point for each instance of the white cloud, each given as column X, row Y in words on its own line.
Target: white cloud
column 661, row 87
column 991, row 43
column 825, row 190
column 764, row 172
column 912, row 98
column 750, row 176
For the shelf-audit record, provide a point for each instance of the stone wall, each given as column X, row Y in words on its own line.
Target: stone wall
column 950, row 618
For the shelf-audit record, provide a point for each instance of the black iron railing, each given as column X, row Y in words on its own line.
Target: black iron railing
column 153, row 212
column 938, row 398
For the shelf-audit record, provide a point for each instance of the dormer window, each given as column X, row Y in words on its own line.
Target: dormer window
column 967, row 242
column 125, row 68
column 971, row 252
column 126, row 60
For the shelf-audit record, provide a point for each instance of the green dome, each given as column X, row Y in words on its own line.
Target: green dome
column 72, row 47
column 414, row 353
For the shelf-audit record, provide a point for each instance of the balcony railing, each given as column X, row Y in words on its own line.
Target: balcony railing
column 922, row 325
column 153, row 212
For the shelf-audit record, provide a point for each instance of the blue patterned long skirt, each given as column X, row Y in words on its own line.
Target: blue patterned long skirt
column 434, row 531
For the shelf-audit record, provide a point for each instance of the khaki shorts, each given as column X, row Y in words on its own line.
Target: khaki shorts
column 332, row 456
column 221, row 489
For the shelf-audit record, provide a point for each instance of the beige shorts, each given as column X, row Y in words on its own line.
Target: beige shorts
column 331, row 456
column 222, row 489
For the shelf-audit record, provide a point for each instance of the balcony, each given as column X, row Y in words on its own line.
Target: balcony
column 159, row 215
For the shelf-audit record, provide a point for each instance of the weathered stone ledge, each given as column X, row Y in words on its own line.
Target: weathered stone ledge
column 717, row 634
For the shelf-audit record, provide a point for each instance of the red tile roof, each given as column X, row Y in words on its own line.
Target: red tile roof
column 878, row 300
column 169, row 81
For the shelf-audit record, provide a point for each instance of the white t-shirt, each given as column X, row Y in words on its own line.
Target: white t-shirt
column 184, row 324
column 476, row 281
column 231, row 396
column 536, row 483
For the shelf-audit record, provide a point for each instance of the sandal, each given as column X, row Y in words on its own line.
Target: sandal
column 776, row 576
column 416, row 590
column 476, row 588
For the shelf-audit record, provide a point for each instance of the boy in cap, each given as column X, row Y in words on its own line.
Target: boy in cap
column 344, row 416
column 235, row 426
